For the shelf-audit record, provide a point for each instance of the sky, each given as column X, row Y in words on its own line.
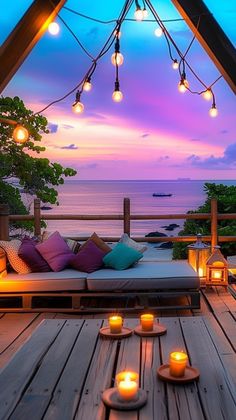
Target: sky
column 156, row 132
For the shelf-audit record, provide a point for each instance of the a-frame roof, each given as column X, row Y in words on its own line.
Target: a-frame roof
column 34, row 23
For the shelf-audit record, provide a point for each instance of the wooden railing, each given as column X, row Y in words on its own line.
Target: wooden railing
column 127, row 217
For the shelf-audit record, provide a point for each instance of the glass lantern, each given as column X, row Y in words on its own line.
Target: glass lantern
column 216, row 269
column 198, row 253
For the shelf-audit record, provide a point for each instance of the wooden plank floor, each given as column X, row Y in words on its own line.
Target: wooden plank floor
column 217, row 305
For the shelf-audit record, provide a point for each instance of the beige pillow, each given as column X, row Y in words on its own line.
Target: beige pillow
column 99, row 242
column 125, row 239
column 11, row 248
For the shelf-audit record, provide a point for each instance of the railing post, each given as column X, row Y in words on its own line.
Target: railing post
column 214, row 211
column 37, row 217
column 126, row 208
column 4, row 222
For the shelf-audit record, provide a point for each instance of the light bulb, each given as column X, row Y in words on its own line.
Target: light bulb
column 158, row 32
column 213, row 112
column 175, row 64
column 20, row 134
column 207, row 94
column 87, row 86
column 183, row 85
column 138, row 14
column 53, row 28
column 145, row 13
column 117, row 96
column 78, row 107
column 117, row 59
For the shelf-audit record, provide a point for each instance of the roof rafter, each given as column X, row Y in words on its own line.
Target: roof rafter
column 211, row 37
column 25, row 35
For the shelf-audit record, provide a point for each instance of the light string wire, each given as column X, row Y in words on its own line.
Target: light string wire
column 111, row 39
column 105, row 48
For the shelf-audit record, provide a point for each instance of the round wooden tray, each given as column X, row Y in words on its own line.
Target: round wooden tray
column 110, row 397
column 125, row 332
column 191, row 374
column 158, row 329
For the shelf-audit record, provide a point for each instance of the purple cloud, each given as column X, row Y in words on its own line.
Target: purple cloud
column 69, row 147
column 227, row 161
column 52, row 127
column 67, row 126
column 144, row 135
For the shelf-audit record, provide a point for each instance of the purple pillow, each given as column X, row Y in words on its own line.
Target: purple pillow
column 32, row 257
column 89, row 258
column 55, row 251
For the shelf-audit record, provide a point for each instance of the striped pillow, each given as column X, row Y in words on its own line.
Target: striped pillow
column 11, row 248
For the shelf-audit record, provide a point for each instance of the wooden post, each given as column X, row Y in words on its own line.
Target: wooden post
column 126, row 207
column 214, row 236
column 4, row 222
column 37, row 217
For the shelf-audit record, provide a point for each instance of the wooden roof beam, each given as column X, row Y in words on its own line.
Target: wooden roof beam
column 25, row 35
column 211, row 37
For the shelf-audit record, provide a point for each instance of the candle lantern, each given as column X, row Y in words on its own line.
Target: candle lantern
column 198, row 253
column 216, row 269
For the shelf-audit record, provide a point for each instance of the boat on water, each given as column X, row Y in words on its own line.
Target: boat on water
column 161, row 195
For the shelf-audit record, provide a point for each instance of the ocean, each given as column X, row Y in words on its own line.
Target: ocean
column 106, row 197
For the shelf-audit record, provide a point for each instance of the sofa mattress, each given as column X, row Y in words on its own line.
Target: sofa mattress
column 65, row 280
column 176, row 275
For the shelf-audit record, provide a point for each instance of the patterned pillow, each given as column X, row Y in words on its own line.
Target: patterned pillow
column 125, row 239
column 11, row 248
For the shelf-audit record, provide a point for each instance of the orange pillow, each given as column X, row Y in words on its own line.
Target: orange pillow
column 99, row 242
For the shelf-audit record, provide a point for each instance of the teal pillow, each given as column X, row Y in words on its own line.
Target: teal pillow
column 121, row 257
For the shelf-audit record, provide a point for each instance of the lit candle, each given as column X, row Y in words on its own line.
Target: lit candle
column 178, row 362
column 147, row 322
column 127, row 385
column 115, row 324
column 216, row 274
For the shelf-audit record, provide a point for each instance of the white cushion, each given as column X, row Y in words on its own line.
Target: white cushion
column 125, row 239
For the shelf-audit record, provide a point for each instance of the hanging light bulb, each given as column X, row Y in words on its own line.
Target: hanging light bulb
column 20, row 134
column 117, row 59
column 175, row 64
column 138, row 14
column 117, row 95
column 87, row 86
column 77, row 106
column 207, row 94
column 53, row 28
column 158, row 32
column 145, row 13
column 183, row 83
column 213, row 112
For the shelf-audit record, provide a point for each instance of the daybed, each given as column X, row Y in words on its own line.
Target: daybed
column 69, row 289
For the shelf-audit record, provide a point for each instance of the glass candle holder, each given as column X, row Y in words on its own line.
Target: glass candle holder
column 178, row 362
column 115, row 324
column 147, row 321
column 127, row 385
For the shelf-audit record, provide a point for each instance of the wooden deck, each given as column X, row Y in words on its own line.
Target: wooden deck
column 217, row 304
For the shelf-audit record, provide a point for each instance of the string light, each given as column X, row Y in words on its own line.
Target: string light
column 183, row 83
column 213, row 111
column 117, row 58
column 175, row 64
column 87, row 86
column 117, row 95
column 53, row 28
column 78, row 107
column 207, row 94
column 158, row 32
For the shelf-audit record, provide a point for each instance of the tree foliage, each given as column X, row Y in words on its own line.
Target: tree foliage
column 226, row 200
column 35, row 176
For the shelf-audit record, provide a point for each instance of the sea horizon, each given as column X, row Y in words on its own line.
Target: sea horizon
column 99, row 197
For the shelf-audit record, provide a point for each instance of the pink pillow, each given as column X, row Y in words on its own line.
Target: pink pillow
column 89, row 258
column 55, row 251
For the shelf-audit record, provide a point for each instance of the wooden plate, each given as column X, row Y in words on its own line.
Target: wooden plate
column 158, row 329
column 125, row 332
column 110, row 397
column 191, row 374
